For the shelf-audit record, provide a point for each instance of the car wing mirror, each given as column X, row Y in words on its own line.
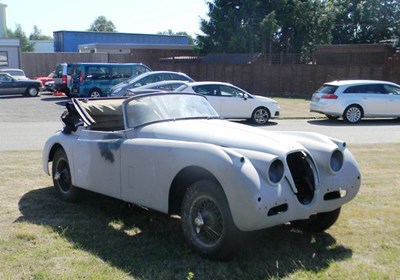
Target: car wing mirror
column 245, row 96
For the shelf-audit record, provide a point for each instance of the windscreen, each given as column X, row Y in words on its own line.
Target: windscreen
column 144, row 109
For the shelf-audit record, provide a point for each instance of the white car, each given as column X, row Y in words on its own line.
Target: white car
column 232, row 102
column 356, row 99
column 17, row 74
column 171, row 152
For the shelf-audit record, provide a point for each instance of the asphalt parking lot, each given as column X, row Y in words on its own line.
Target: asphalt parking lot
column 27, row 122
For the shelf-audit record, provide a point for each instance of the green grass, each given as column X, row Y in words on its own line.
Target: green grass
column 101, row 238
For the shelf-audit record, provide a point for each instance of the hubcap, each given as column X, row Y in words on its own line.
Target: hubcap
column 261, row 116
column 353, row 114
column 62, row 176
column 198, row 222
column 207, row 221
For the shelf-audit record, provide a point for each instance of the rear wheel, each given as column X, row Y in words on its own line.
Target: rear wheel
column 62, row 178
column 95, row 93
column 353, row 114
column 32, row 91
column 260, row 115
column 207, row 223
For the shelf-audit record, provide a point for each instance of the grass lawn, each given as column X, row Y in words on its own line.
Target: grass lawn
column 101, row 238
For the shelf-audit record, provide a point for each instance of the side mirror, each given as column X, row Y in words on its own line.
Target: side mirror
column 245, row 96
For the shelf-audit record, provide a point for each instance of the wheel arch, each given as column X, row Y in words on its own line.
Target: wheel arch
column 182, row 181
column 261, row 107
column 354, row 104
column 94, row 89
column 53, row 151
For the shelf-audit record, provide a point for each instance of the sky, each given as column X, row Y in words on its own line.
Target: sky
column 128, row 16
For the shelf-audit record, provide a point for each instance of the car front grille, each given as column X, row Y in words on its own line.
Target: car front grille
column 301, row 168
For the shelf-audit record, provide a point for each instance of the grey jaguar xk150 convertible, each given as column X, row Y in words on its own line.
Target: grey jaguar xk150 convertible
column 171, row 152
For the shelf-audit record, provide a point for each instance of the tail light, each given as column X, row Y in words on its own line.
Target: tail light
column 329, row 96
column 64, row 79
column 81, row 78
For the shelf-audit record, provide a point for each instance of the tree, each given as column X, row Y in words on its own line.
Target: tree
column 37, row 35
column 101, row 24
column 180, row 33
column 26, row 46
column 258, row 26
column 295, row 26
column 360, row 21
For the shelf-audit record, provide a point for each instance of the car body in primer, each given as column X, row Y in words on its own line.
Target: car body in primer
column 172, row 153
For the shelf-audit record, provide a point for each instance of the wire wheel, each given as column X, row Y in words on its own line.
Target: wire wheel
column 207, row 223
column 62, row 179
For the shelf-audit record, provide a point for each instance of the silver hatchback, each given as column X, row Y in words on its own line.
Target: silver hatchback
column 356, row 99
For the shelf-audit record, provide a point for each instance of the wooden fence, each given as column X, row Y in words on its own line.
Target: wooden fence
column 260, row 77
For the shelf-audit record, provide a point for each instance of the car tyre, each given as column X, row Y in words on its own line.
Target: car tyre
column 318, row 222
column 62, row 178
column 330, row 117
column 260, row 115
column 95, row 93
column 353, row 114
column 32, row 91
column 207, row 223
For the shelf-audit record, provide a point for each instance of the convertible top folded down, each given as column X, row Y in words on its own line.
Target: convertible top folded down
column 97, row 114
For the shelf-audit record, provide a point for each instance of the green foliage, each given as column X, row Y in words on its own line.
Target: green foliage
column 180, row 33
column 101, row 24
column 363, row 21
column 26, row 46
column 295, row 26
column 37, row 35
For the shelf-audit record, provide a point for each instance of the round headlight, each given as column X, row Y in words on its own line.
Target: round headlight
column 276, row 171
column 336, row 161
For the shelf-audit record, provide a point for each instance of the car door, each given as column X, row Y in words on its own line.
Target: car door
column 97, row 161
column 8, row 85
column 371, row 97
column 233, row 103
column 212, row 94
column 392, row 100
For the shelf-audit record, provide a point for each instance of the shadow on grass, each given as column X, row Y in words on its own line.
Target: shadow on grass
column 149, row 245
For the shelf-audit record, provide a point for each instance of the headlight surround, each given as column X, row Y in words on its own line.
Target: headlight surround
column 336, row 161
column 276, row 171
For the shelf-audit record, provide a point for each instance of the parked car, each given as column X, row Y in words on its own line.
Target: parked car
column 62, row 78
column 10, row 85
column 49, row 86
column 171, row 152
column 17, row 74
column 121, row 89
column 46, row 79
column 96, row 79
column 353, row 100
column 157, row 86
column 232, row 102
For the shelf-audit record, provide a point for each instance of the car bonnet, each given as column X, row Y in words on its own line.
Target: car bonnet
column 222, row 133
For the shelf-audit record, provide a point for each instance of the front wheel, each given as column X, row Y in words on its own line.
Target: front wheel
column 62, row 178
column 95, row 93
column 32, row 91
column 207, row 223
column 318, row 222
column 352, row 114
column 260, row 115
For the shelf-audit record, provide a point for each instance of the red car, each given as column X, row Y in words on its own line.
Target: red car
column 45, row 79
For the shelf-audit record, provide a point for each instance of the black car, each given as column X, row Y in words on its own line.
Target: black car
column 10, row 85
